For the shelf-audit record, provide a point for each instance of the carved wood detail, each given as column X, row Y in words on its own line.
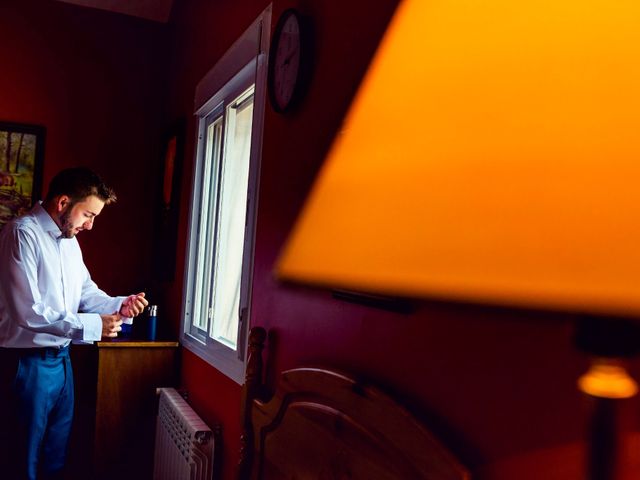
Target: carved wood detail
column 250, row 391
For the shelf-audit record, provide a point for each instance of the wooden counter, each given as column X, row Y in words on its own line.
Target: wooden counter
column 116, row 406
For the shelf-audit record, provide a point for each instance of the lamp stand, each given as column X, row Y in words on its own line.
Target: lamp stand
column 608, row 341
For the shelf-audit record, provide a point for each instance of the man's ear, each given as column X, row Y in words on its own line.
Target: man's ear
column 62, row 202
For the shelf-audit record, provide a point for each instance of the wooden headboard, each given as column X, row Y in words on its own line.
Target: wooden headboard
column 321, row 424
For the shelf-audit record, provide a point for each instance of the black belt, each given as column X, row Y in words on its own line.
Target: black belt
column 44, row 352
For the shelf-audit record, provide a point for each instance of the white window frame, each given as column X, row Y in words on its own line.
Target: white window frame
column 246, row 59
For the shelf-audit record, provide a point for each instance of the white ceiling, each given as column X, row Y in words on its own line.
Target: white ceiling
column 156, row 10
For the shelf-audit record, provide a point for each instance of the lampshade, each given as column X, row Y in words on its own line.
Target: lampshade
column 491, row 154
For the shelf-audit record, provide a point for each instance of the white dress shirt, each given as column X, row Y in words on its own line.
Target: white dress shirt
column 44, row 285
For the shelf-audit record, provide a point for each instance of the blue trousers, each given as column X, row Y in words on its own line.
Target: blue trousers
column 41, row 397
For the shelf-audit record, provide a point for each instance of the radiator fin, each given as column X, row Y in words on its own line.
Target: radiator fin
column 184, row 444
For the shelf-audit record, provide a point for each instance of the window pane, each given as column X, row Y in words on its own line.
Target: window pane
column 234, row 176
column 207, row 225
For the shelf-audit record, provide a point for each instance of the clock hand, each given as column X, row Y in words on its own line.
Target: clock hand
column 287, row 60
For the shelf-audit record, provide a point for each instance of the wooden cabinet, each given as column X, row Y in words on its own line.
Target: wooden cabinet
column 114, row 425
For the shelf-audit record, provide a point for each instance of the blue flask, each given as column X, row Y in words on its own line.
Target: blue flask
column 151, row 324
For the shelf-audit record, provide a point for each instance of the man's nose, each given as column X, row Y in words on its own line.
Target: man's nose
column 88, row 225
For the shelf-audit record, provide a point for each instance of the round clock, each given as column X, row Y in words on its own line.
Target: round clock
column 286, row 61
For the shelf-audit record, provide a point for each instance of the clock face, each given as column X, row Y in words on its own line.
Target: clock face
column 286, row 61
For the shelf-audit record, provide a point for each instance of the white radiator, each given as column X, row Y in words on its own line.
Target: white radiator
column 184, row 443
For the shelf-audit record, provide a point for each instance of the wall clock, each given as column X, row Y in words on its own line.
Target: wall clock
column 286, row 61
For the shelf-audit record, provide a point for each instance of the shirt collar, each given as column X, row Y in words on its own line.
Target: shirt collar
column 45, row 220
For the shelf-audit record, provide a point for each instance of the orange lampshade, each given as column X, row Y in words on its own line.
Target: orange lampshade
column 492, row 154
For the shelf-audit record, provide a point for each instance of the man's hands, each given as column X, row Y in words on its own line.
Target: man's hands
column 133, row 305
column 111, row 325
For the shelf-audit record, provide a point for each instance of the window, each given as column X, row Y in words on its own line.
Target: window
column 230, row 102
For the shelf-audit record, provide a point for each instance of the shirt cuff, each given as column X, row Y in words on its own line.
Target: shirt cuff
column 125, row 320
column 92, row 323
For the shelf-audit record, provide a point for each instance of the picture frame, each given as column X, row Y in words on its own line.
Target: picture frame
column 168, row 204
column 21, row 160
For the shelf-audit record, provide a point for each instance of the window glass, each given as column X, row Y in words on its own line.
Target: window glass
column 234, row 177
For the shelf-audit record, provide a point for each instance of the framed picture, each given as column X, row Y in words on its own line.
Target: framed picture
column 21, row 154
column 168, row 205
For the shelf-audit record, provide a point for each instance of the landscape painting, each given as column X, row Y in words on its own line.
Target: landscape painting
column 21, row 154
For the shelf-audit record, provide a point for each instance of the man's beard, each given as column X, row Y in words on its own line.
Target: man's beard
column 67, row 227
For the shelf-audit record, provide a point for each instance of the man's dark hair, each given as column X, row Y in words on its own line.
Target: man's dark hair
column 79, row 183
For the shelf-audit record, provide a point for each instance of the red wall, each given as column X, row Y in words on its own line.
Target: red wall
column 94, row 80
column 497, row 384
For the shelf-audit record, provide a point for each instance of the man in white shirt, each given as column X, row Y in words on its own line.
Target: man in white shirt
column 48, row 300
